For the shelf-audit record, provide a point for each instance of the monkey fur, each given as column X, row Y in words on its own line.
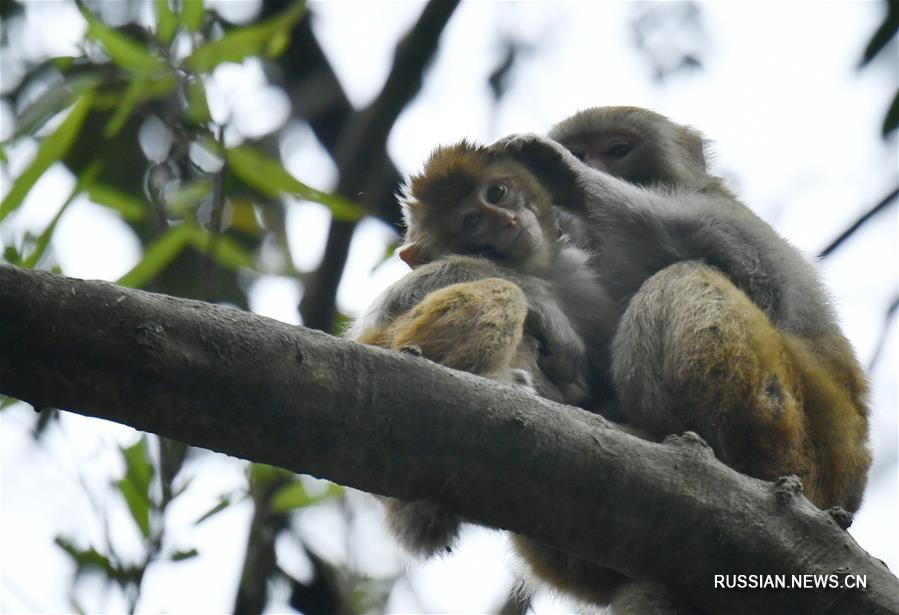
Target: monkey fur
column 705, row 319
column 472, row 315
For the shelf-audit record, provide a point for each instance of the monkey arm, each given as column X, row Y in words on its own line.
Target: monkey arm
column 640, row 231
column 561, row 347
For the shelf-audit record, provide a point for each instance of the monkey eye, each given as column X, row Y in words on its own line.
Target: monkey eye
column 619, row 150
column 471, row 221
column 495, row 193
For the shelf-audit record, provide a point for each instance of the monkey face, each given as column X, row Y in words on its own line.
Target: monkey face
column 466, row 202
column 497, row 220
column 636, row 145
column 613, row 151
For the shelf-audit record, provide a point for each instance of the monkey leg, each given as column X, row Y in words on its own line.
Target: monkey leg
column 692, row 352
column 471, row 326
column 579, row 577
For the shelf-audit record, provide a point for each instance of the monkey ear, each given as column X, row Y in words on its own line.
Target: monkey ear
column 413, row 254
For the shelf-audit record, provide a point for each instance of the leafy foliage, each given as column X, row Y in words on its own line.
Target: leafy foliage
column 204, row 208
column 175, row 205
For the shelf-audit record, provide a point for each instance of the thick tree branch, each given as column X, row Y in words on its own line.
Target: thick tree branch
column 263, row 390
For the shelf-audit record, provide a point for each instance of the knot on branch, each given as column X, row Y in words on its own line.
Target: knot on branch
column 787, row 488
column 841, row 516
column 411, row 350
column 690, row 440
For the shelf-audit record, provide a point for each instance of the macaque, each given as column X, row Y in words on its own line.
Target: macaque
column 437, row 308
column 727, row 330
column 473, row 315
column 473, row 201
column 717, row 324
column 489, row 315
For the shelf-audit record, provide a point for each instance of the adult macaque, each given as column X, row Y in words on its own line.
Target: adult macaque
column 727, row 329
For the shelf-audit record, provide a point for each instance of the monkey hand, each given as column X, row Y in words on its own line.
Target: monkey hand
column 557, row 169
column 561, row 352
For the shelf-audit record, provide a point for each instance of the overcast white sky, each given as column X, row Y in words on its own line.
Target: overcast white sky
column 795, row 127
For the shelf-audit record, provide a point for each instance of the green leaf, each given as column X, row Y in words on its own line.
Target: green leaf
column 264, row 38
column 135, row 487
column 131, row 209
column 123, row 50
column 12, row 256
column 43, row 240
column 51, row 149
column 138, row 90
column 86, row 559
column 51, row 101
column 197, row 108
column 158, row 255
column 166, row 21
column 178, row 556
column 290, row 497
column 224, row 502
column 243, row 217
column 267, row 176
column 192, row 14
column 223, row 249
column 294, row 495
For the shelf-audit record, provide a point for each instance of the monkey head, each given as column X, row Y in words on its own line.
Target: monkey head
column 636, row 145
column 470, row 200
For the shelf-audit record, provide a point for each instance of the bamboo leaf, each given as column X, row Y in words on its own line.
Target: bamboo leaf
column 197, row 108
column 158, row 256
column 135, row 487
column 51, row 101
column 131, row 209
column 267, row 176
column 264, row 38
column 166, row 21
column 139, row 89
column 192, row 14
column 122, row 49
column 51, row 149
column 178, row 556
column 223, row 503
column 221, row 248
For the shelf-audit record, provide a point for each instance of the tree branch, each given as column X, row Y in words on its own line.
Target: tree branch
column 849, row 232
column 263, row 390
column 361, row 150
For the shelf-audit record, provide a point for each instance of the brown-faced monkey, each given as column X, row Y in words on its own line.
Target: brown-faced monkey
column 471, row 200
column 473, row 315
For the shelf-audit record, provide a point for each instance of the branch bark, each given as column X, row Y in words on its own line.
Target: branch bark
column 263, row 390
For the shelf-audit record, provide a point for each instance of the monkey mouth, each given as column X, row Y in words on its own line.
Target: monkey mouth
column 510, row 247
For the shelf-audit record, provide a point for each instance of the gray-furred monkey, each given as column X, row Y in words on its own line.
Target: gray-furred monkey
column 727, row 329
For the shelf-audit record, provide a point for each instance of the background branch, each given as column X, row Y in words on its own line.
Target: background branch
column 361, row 148
column 259, row 389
